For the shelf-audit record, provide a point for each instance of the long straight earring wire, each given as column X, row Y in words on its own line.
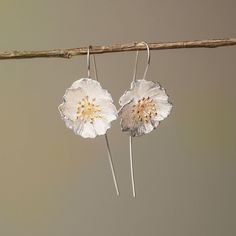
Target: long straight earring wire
column 107, row 141
column 130, row 137
column 111, row 165
column 131, row 164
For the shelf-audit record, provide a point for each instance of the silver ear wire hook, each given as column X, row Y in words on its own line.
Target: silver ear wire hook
column 135, row 66
column 88, row 61
column 148, row 59
column 136, row 62
column 95, row 67
column 106, row 136
column 130, row 137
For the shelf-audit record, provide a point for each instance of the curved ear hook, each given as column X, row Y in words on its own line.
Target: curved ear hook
column 130, row 137
column 94, row 62
column 148, row 62
column 135, row 66
column 88, row 60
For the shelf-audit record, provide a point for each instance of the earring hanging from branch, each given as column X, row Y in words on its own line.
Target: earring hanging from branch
column 143, row 106
column 88, row 110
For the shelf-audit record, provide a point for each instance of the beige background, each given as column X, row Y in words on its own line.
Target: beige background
column 53, row 183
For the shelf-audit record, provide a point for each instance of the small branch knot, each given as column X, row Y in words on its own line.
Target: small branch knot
column 68, row 55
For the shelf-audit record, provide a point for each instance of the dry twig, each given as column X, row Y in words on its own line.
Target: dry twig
column 68, row 53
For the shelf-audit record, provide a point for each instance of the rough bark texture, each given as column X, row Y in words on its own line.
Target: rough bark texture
column 68, row 53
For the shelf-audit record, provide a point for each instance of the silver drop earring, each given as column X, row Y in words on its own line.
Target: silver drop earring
column 143, row 106
column 107, row 140
column 88, row 110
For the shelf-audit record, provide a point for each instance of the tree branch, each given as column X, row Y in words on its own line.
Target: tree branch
column 68, row 53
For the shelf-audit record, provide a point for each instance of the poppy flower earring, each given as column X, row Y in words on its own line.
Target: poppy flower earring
column 143, row 106
column 88, row 110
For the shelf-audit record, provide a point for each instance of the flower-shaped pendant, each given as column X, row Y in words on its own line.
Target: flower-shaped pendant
column 143, row 106
column 87, row 108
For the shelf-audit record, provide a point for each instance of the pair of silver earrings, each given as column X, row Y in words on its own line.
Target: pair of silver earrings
column 88, row 109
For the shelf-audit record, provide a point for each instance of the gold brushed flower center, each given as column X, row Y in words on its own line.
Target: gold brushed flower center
column 87, row 110
column 144, row 110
